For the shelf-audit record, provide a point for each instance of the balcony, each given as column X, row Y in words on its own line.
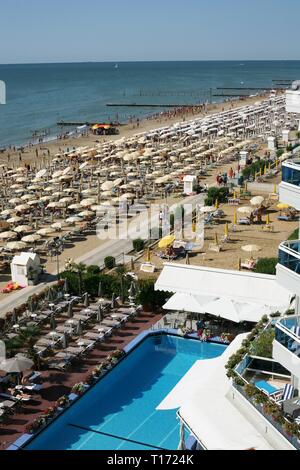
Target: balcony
column 286, row 345
column 289, row 188
column 288, row 267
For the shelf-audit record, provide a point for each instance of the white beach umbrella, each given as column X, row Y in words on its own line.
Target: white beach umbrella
column 45, row 231
column 74, row 219
column 31, row 238
column 86, row 214
column 22, row 208
column 34, row 202
column 8, row 235
column 88, row 202
column 251, row 248
column 107, row 186
column 15, row 200
column 16, row 245
column 207, row 209
column 16, row 364
column 14, row 220
column 59, row 225
column 27, row 197
column 257, row 200
column 23, row 228
column 7, row 212
column 75, row 207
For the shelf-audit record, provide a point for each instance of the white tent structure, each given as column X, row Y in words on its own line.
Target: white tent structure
column 234, row 295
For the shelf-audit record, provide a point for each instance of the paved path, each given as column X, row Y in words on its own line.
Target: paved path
column 116, row 247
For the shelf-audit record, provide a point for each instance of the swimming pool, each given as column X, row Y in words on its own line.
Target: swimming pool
column 122, row 405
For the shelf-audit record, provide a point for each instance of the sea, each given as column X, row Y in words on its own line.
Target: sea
column 38, row 96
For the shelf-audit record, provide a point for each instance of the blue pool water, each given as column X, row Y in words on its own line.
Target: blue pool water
column 124, row 402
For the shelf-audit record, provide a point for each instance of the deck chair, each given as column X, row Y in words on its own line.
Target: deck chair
column 284, row 394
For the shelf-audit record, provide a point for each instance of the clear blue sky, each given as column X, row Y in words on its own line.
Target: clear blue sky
column 117, row 30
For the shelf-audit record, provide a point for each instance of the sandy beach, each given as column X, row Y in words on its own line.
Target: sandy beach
column 12, row 158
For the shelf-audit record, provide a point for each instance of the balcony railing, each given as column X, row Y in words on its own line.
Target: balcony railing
column 291, row 172
column 289, row 255
column 286, row 334
column 293, row 440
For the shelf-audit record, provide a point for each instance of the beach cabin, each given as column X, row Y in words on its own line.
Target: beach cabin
column 286, row 135
column 26, row 269
column 272, row 144
column 190, row 183
column 243, row 158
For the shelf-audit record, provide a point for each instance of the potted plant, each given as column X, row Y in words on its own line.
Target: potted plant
column 78, row 388
column 292, row 429
column 63, row 402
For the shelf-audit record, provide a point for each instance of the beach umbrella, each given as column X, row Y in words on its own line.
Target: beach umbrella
column 15, row 200
column 166, row 241
column 79, row 329
column 16, row 364
column 23, row 229
column 22, row 208
column 7, row 212
column 59, row 225
column 257, row 200
column 31, row 238
column 99, row 314
column 7, row 235
column 74, row 219
column 75, row 207
column 251, row 248
column 107, row 186
column 268, row 219
column 88, row 202
column 234, row 218
column 283, row 206
column 16, row 245
column 86, row 214
column 245, row 210
column 86, row 301
column 207, row 209
column 52, row 322
column 44, row 231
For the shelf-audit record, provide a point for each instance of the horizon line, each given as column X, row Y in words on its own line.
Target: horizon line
column 146, row 61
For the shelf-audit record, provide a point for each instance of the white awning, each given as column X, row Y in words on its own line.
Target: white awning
column 252, row 288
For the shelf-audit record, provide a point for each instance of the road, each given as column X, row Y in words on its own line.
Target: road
column 112, row 247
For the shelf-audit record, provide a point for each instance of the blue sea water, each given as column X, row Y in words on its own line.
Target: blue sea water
column 40, row 95
column 119, row 412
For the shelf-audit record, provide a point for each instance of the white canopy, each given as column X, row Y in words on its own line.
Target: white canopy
column 252, row 288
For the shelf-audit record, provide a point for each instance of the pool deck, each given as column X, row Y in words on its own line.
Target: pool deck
column 58, row 383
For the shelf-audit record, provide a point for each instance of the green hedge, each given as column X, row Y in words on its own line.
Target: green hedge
column 254, row 168
column 266, row 266
column 294, row 235
column 138, row 244
column 214, row 193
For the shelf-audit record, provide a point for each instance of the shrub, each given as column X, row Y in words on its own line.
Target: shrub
column 147, row 296
column 92, row 270
column 63, row 401
column 138, row 244
column 263, row 345
column 214, row 193
column 291, row 428
column 279, row 152
column 266, row 266
column 109, row 262
column 78, row 389
column 294, row 235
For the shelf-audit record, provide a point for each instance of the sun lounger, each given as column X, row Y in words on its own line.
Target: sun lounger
column 266, row 387
column 95, row 336
column 244, row 221
column 248, row 264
